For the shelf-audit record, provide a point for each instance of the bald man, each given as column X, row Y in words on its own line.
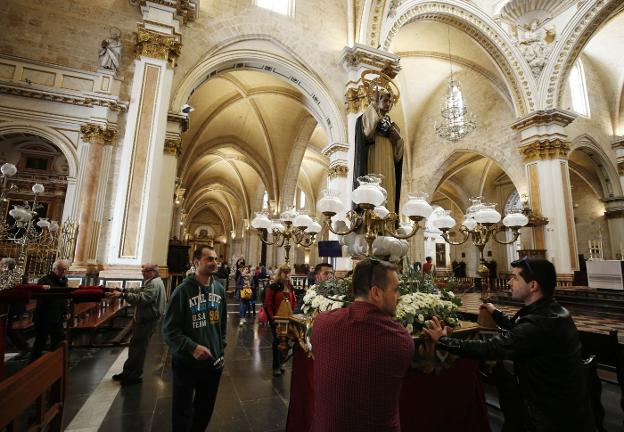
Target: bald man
column 149, row 302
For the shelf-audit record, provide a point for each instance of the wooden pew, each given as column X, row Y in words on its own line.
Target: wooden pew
column 92, row 316
column 41, row 383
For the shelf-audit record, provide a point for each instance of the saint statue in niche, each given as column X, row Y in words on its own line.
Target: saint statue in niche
column 110, row 51
column 378, row 142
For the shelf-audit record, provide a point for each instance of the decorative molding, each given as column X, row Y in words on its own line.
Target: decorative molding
column 182, row 119
column 545, row 150
column 364, row 57
column 545, row 117
column 94, row 133
column 614, row 214
column 173, row 147
column 356, row 99
column 470, row 20
column 514, row 10
column 88, row 102
column 157, row 45
column 187, row 10
column 338, row 170
column 335, row 148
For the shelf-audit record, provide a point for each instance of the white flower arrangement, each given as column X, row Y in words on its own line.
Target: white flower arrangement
column 313, row 302
column 416, row 308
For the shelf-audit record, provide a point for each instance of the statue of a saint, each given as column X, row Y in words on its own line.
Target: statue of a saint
column 378, row 142
column 110, row 51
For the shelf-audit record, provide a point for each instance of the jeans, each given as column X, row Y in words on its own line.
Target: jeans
column 194, row 397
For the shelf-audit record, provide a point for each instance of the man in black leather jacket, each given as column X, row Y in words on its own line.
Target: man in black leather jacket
column 543, row 342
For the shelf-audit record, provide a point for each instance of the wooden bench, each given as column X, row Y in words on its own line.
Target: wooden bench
column 42, row 384
column 93, row 316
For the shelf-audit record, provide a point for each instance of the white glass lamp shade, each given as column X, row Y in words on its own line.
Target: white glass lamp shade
column 470, row 222
column 43, row 223
column 38, row 188
column 314, row 228
column 20, row 214
column 417, row 206
column 444, row 220
column 302, row 220
column 8, row 169
column 368, row 193
column 261, row 221
column 381, row 211
column 515, row 219
column 288, row 216
column 54, row 226
column 330, row 203
column 487, row 214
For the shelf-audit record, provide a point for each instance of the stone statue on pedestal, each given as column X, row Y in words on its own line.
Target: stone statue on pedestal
column 110, row 51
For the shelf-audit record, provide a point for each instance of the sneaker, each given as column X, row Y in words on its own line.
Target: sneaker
column 283, row 368
column 119, row 377
column 242, row 322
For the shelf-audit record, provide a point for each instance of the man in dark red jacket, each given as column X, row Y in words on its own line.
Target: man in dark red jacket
column 361, row 356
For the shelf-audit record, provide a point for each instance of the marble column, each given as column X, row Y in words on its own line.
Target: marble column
column 146, row 174
column 96, row 141
column 544, row 146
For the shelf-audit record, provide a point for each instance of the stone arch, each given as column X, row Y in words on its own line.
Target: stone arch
column 317, row 98
column 607, row 173
column 583, row 25
column 478, row 25
column 59, row 140
column 516, row 176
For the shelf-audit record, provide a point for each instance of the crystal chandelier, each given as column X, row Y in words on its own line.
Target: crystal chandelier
column 456, row 121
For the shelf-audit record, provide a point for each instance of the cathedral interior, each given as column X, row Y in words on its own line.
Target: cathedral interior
column 157, row 126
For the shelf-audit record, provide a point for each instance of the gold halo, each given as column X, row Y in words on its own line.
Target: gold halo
column 380, row 80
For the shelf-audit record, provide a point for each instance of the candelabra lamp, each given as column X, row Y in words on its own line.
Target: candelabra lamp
column 292, row 228
column 371, row 215
column 481, row 224
column 21, row 235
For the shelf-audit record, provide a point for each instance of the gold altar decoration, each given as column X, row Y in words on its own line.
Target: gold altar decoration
column 157, row 45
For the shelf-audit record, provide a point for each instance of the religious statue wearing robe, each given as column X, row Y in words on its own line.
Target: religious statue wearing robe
column 379, row 150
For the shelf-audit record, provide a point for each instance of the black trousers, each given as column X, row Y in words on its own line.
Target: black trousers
column 141, row 334
column 194, row 397
column 43, row 329
column 278, row 358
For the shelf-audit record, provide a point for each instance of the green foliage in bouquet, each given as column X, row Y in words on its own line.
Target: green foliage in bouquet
column 328, row 295
column 421, row 300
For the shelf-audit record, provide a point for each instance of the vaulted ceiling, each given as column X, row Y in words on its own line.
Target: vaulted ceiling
column 249, row 132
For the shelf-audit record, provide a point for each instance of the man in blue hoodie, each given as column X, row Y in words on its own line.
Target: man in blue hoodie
column 194, row 327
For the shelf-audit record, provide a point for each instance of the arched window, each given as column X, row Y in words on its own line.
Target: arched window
column 578, row 89
column 265, row 201
column 302, row 199
column 284, row 7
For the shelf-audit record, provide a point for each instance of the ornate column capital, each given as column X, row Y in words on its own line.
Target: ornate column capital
column 334, row 148
column 173, row 146
column 338, row 170
column 543, row 135
column 157, row 45
column 95, row 133
column 545, row 150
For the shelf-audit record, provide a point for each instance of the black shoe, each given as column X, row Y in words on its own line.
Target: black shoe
column 119, row 377
column 131, row 381
column 283, row 368
column 277, row 373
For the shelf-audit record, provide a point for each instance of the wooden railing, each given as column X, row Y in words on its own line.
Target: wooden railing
column 42, row 384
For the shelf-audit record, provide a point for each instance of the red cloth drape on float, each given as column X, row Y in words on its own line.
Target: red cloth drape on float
column 451, row 401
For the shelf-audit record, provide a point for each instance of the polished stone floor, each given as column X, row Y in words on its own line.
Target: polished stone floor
column 249, row 398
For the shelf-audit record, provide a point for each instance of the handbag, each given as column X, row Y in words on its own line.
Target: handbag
column 262, row 316
column 246, row 293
